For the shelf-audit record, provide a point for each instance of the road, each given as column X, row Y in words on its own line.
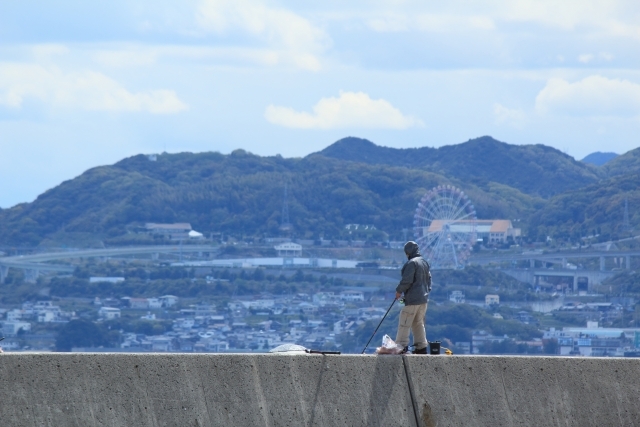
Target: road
column 38, row 261
column 550, row 257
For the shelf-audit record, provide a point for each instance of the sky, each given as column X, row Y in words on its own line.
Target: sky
column 84, row 83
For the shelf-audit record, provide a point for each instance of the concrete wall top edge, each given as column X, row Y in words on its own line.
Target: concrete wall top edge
column 178, row 389
column 438, row 357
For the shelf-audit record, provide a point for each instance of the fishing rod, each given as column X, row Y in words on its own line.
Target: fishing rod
column 374, row 332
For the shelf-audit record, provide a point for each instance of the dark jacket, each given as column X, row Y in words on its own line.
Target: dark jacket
column 416, row 280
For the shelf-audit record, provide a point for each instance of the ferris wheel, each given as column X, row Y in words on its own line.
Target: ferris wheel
column 445, row 226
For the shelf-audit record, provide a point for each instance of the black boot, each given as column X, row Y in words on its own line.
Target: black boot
column 421, row 351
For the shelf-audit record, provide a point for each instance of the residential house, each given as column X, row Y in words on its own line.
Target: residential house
column 307, row 308
column 161, row 343
column 324, row 298
column 457, row 297
column 15, row 315
column 168, row 300
column 109, row 313
column 11, row 328
column 138, row 303
column 525, row 317
column 480, row 338
column 106, row 279
column 352, row 296
column 204, row 310
column 154, row 303
column 490, row 299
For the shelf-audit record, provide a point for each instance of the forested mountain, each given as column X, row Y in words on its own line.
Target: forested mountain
column 595, row 209
column 242, row 194
column 537, row 170
column 599, row 158
column 627, row 163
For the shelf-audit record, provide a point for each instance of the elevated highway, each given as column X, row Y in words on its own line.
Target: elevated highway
column 581, row 280
column 556, row 257
column 35, row 263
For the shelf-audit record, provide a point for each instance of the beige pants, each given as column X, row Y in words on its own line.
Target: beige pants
column 412, row 318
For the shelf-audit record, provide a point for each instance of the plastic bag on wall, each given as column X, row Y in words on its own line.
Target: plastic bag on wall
column 389, row 346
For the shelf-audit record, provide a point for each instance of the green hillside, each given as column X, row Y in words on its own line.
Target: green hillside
column 595, row 209
column 625, row 164
column 532, row 169
column 240, row 194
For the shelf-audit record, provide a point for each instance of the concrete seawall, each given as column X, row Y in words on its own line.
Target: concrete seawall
column 277, row 390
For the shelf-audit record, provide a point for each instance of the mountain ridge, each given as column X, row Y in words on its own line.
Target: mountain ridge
column 599, row 158
column 241, row 193
column 483, row 159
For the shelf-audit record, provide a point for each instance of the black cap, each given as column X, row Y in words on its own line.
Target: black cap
column 411, row 248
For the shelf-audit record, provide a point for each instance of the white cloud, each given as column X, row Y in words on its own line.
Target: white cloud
column 585, row 58
column 132, row 56
column 140, row 55
column 570, row 15
column 606, row 56
column 564, row 15
column 349, row 110
column 396, row 22
column 390, row 23
column 47, row 50
column 281, row 29
column 614, row 17
column 87, row 90
column 512, row 116
column 126, row 56
column 592, row 96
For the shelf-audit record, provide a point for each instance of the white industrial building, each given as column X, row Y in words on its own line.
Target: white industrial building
column 494, row 230
column 289, row 249
column 175, row 231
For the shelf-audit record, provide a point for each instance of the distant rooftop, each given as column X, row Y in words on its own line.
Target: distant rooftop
column 175, row 226
column 481, row 225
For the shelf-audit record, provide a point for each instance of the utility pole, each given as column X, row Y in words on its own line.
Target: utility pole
column 626, row 226
column 285, row 225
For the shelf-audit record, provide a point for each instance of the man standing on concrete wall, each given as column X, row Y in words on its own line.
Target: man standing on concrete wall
column 415, row 285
